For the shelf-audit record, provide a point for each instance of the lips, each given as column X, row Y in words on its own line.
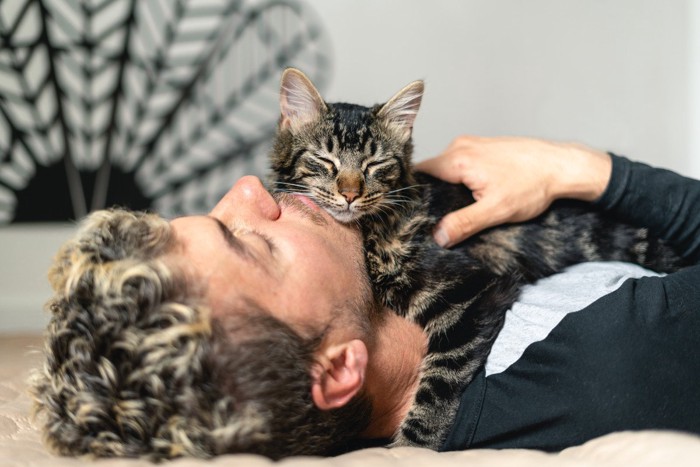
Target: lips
column 307, row 201
column 305, row 206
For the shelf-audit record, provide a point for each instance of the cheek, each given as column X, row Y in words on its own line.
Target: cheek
column 330, row 261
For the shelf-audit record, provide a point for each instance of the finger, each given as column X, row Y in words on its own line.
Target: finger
column 462, row 141
column 463, row 223
column 441, row 167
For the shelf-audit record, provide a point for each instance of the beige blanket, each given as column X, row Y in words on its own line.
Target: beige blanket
column 20, row 443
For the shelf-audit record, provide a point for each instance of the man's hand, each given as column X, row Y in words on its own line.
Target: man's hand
column 513, row 180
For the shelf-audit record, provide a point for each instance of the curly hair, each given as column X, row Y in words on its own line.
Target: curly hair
column 135, row 366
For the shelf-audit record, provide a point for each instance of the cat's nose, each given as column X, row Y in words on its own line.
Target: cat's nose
column 350, row 194
column 350, row 185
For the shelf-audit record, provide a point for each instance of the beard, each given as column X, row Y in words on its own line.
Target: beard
column 365, row 312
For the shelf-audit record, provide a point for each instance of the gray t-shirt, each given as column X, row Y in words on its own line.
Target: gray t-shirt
column 543, row 305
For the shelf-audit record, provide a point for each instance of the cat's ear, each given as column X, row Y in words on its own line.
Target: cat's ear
column 300, row 101
column 401, row 110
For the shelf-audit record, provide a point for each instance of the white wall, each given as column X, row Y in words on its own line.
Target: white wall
column 614, row 74
column 622, row 75
column 694, row 89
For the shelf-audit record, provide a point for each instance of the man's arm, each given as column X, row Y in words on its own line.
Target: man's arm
column 513, row 180
column 665, row 202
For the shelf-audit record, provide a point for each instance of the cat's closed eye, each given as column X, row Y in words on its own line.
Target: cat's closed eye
column 372, row 166
column 328, row 164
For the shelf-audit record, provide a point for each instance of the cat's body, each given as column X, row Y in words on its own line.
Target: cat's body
column 356, row 163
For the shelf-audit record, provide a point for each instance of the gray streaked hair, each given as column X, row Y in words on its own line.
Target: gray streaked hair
column 135, row 366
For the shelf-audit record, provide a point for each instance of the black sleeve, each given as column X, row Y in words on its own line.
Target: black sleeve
column 663, row 201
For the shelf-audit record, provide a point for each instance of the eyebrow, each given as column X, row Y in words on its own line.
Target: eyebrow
column 231, row 240
column 240, row 247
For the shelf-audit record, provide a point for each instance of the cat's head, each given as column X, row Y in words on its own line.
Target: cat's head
column 351, row 160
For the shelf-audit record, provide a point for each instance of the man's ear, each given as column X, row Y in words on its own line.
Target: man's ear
column 339, row 374
column 401, row 110
column 300, row 101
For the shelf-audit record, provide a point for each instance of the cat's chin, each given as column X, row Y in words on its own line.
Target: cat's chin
column 344, row 217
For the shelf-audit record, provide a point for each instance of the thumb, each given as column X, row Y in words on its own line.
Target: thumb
column 463, row 223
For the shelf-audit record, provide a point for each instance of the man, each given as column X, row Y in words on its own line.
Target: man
column 252, row 329
column 247, row 330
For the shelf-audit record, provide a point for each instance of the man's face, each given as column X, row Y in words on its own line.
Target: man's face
column 289, row 257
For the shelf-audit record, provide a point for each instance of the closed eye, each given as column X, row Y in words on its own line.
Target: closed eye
column 268, row 241
column 328, row 164
column 245, row 249
column 372, row 166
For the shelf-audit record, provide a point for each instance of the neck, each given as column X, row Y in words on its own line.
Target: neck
column 393, row 373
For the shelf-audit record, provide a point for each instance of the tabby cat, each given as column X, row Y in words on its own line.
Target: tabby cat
column 355, row 162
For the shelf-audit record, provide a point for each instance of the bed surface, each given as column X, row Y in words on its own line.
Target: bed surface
column 20, row 443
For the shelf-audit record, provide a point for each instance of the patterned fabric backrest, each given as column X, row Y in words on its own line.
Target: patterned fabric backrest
column 156, row 105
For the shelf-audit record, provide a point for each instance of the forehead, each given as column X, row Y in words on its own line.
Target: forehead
column 351, row 125
column 214, row 269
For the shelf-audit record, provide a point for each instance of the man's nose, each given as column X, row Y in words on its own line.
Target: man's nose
column 247, row 197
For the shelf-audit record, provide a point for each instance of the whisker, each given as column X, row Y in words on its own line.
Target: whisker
column 289, row 184
column 412, row 187
column 402, row 199
column 294, row 192
column 398, row 201
column 397, row 195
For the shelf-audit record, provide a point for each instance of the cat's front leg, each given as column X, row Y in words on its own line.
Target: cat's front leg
column 426, row 425
column 385, row 282
column 390, row 270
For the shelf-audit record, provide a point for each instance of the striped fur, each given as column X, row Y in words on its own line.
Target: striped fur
column 459, row 296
